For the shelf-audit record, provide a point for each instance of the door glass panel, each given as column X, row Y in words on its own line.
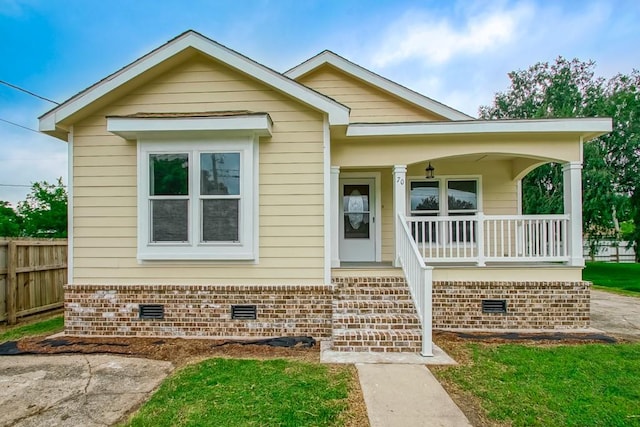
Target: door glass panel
column 356, row 211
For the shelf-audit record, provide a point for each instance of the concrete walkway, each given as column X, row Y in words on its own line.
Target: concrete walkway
column 407, row 396
column 74, row 390
column 616, row 314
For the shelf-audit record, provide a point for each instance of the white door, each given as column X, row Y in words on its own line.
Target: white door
column 357, row 219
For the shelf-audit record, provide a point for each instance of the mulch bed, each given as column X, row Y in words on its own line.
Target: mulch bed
column 176, row 350
column 525, row 337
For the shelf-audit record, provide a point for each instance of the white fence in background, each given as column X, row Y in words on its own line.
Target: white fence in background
column 610, row 251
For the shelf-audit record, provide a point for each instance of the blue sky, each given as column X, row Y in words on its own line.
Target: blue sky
column 458, row 52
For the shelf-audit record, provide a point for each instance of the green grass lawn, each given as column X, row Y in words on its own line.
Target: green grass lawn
column 48, row 326
column 236, row 392
column 616, row 276
column 581, row 385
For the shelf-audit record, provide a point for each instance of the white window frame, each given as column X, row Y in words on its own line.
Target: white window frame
column 246, row 248
column 443, row 182
column 443, row 203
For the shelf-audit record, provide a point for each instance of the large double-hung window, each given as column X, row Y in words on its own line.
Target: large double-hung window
column 196, row 199
column 197, row 183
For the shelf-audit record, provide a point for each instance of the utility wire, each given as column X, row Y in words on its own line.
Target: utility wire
column 20, row 126
column 28, row 92
column 15, row 185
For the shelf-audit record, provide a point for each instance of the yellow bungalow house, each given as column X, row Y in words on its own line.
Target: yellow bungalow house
column 212, row 196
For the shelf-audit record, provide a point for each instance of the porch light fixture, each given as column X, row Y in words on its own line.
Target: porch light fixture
column 429, row 170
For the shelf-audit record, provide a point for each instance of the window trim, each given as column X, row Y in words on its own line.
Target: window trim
column 443, row 181
column 247, row 246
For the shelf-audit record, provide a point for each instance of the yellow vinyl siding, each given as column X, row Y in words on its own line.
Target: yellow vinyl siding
column 290, row 184
column 368, row 104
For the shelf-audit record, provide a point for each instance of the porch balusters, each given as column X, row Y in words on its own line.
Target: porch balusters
column 492, row 238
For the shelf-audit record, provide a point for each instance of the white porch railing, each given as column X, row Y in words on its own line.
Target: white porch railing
column 419, row 278
column 491, row 238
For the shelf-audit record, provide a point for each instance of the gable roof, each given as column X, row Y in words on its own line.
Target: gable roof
column 50, row 121
column 361, row 73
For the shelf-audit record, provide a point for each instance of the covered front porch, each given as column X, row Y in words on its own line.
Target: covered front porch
column 458, row 238
column 454, row 219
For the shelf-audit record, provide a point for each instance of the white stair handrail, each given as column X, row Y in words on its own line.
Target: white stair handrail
column 419, row 277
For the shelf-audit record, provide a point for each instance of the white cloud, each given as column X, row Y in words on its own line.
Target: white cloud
column 436, row 40
column 25, row 158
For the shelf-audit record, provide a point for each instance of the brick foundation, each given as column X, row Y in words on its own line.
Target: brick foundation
column 530, row 305
column 199, row 310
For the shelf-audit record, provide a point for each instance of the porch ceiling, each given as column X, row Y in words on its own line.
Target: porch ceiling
column 523, row 151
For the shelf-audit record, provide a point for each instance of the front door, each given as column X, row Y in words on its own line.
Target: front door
column 357, row 219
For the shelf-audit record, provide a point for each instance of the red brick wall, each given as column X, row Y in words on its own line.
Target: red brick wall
column 530, row 305
column 198, row 310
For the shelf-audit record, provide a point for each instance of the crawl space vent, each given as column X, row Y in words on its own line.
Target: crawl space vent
column 151, row 311
column 494, row 306
column 244, row 312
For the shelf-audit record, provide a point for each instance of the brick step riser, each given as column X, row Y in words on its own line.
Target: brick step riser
column 376, row 326
column 372, row 299
column 366, row 311
column 378, row 342
column 371, row 284
column 377, row 349
column 386, row 307
column 389, row 319
column 374, row 290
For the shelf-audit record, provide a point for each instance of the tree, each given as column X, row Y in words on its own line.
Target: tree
column 44, row 212
column 9, row 221
column 569, row 88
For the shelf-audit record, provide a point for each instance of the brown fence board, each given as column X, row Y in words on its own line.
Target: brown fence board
column 32, row 275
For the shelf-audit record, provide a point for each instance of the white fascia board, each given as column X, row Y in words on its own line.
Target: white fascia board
column 376, row 80
column 338, row 113
column 131, row 128
column 586, row 126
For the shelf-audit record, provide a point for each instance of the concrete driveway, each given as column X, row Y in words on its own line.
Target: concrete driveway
column 616, row 314
column 74, row 390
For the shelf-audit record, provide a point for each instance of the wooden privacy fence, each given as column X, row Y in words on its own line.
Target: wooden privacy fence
column 32, row 275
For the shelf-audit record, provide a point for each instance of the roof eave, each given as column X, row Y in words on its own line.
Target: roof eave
column 586, row 128
column 338, row 113
column 415, row 98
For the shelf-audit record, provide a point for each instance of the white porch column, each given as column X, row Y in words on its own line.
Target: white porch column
column 335, row 216
column 399, row 204
column 572, row 179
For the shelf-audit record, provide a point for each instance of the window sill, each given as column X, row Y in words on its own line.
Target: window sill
column 190, row 256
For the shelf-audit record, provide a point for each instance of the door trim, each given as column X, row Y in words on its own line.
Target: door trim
column 376, row 176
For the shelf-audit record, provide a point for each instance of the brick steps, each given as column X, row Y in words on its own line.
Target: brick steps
column 373, row 294
column 363, row 340
column 373, row 307
column 374, row 314
column 375, row 321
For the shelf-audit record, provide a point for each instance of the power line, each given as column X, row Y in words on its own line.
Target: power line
column 20, row 126
column 15, row 185
column 28, row 92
